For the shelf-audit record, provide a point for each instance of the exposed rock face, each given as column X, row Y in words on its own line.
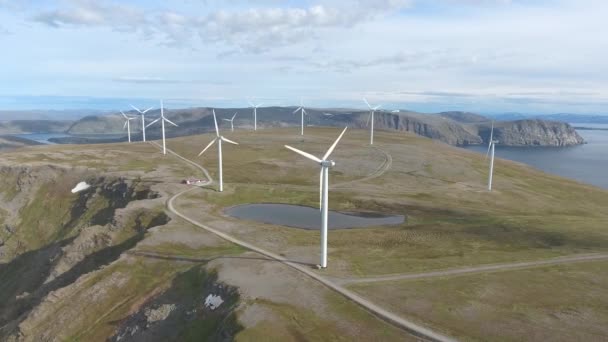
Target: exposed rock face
column 533, row 133
column 445, row 130
column 455, row 128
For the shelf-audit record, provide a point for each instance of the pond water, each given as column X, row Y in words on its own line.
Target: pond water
column 310, row 218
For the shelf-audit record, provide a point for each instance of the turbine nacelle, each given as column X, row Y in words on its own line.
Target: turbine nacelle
column 327, row 163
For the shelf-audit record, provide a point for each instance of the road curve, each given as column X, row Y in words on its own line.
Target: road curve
column 476, row 269
column 409, row 326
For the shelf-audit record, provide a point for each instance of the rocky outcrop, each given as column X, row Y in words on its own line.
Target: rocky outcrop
column 446, row 130
column 532, row 133
column 454, row 128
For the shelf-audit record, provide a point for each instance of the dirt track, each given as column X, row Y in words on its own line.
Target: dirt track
column 409, row 326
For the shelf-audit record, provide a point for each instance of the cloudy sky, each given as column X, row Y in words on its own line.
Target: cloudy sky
column 534, row 56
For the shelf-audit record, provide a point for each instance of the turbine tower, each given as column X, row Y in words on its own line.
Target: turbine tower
column 371, row 120
column 303, row 112
column 231, row 122
column 219, row 140
column 325, row 165
column 162, row 124
column 127, row 124
column 255, row 114
column 143, row 122
column 491, row 144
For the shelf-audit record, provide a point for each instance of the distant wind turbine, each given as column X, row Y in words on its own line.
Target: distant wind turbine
column 143, row 122
column 371, row 120
column 324, row 186
column 255, row 114
column 231, row 122
column 491, row 144
column 303, row 112
column 162, row 124
column 219, row 140
column 127, row 124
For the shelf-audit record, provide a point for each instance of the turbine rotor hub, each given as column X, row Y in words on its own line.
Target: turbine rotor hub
column 328, row 163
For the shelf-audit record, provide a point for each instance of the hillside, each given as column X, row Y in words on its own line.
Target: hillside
column 34, row 126
column 454, row 128
column 114, row 263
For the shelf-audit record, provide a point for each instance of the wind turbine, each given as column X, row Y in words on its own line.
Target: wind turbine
column 371, row 120
column 162, row 124
column 219, row 140
column 127, row 124
column 143, row 123
column 324, row 186
column 231, row 122
column 491, row 152
column 255, row 114
column 303, row 112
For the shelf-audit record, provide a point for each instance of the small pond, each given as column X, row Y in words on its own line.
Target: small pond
column 310, row 218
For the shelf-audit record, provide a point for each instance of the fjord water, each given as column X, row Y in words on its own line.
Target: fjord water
column 309, row 218
column 586, row 163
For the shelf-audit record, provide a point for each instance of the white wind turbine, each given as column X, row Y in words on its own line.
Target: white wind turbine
column 219, row 140
column 162, row 124
column 491, row 144
column 231, row 122
column 255, row 114
column 371, row 120
column 324, row 186
column 143, row 122
column 127, row 124
column 303, row 112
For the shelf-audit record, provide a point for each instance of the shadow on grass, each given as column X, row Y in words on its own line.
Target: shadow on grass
column 23, row 287
column 206, row 260
column 182, row 314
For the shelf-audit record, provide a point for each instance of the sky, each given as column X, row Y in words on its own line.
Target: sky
column 487, row 56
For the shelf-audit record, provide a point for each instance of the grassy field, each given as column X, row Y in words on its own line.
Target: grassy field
column 557, row 303
column 451, row 219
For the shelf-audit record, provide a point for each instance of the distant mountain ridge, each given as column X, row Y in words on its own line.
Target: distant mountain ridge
column 563, row 117
column 455, row 128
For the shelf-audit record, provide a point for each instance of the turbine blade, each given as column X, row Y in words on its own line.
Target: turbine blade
column 490, row 142
column 331, row 149
column 302, row 153
column 259, row 104
column 152, row 123
column 217, row 131
column 132, row 106
column 367, row 103
column 234, row 116
column 125, row 125
column 227, row 120
column 250, row 103
column 206, row 148
column 304, row 111
column 147, row 110
column 123, row 114
column 295, row 111
column 171, row 122
column 229, row 141
column 378, row 106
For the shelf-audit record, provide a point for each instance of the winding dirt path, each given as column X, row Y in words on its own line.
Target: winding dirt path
column 385, row 166
column 476, row 269
column 409, row 326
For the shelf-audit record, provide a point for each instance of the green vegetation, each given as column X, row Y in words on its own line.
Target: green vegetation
column 290, row 323
column 451, row 219
column 566, row 302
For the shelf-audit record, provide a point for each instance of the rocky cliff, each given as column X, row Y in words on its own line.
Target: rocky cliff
column 532, row 133
column 455, row 128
